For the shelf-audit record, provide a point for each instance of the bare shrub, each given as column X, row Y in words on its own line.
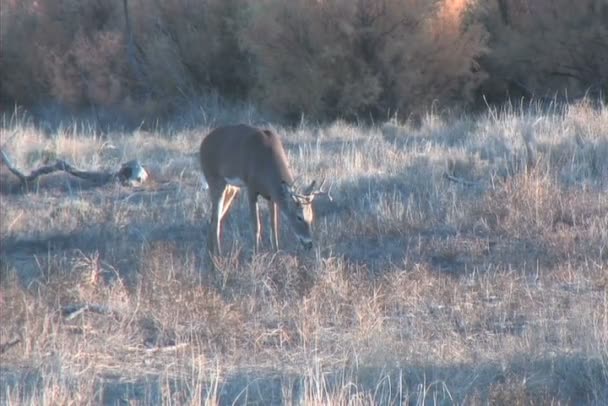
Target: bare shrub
column 543, row 47
column 342, row 58
column 22, row 71
column 70, row 51
column 75, row 53
column 324, row 59
column 188, row 47
column 92, row 72
column 441, row 64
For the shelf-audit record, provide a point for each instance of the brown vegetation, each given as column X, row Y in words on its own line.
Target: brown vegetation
column 546, row 47
column 323, row 59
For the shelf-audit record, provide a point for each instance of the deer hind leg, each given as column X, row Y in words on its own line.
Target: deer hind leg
column 230, row 194
column 275, row 220
column 215, row 228
column 255, row 219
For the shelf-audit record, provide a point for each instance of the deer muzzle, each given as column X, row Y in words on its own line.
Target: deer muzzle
column 306, row 243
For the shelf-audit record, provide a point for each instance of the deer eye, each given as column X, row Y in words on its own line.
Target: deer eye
column 300, row 219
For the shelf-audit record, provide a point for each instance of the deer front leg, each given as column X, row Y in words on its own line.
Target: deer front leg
column 255, row 219
column 275, row 220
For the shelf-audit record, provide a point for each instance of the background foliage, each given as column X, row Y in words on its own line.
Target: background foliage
column 324, row 59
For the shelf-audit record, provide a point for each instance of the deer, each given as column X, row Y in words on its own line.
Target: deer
column 241, row 156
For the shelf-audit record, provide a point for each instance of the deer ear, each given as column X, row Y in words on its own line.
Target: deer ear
column 288, row 192
column 285, row 188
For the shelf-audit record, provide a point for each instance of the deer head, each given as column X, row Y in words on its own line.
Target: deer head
column 298, row 209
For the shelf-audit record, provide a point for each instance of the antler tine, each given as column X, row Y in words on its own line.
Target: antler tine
column 322, row 183
column 320, row 191
column 312, row 191
column 328, row 192
column 331, row 199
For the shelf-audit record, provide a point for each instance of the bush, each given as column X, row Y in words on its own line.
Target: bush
column 546, row 47
column 20, row 70
column 325, row 59
column 189, row 47
column 76, row 53
column 356, row 58
column 67, row 50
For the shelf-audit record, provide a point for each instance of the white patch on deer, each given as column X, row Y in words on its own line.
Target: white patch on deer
column 235, row 182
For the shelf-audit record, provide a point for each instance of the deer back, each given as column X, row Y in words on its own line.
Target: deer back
column 247, row 154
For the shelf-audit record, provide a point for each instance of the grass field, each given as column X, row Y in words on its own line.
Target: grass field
column 461, row 262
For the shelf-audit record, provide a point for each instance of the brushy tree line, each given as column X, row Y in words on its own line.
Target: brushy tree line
column 321, row 58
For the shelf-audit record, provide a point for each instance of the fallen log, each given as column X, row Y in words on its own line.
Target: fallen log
column 131, row 173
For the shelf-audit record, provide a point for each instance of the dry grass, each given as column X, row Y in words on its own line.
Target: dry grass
column 421, row 290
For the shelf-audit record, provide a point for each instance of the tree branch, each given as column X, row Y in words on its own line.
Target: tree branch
column 8, row 345
column 460, row 180
column 131, row 172
column 74, row 310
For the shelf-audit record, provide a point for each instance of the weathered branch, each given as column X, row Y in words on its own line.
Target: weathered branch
column 131, row 172
column 74, row 310
column 98, row 177
column 167, row 348
column 8, row 345
column 460, row 180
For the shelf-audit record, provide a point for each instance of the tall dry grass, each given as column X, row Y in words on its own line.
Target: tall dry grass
column 490, row 288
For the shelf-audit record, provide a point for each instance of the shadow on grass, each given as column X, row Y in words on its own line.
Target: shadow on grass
column 35, row 258
column 573, row 379
column 383, row 221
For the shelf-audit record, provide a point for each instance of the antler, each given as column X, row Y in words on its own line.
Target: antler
column 322, row 192
column 311, row 192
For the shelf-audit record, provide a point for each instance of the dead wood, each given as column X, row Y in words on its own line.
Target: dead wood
column 460, row 180
column 72, row 311
column 166, row 348
column 8, row 345
column 131, row 173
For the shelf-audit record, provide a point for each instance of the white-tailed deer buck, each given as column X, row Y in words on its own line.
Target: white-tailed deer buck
column 243, row 156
